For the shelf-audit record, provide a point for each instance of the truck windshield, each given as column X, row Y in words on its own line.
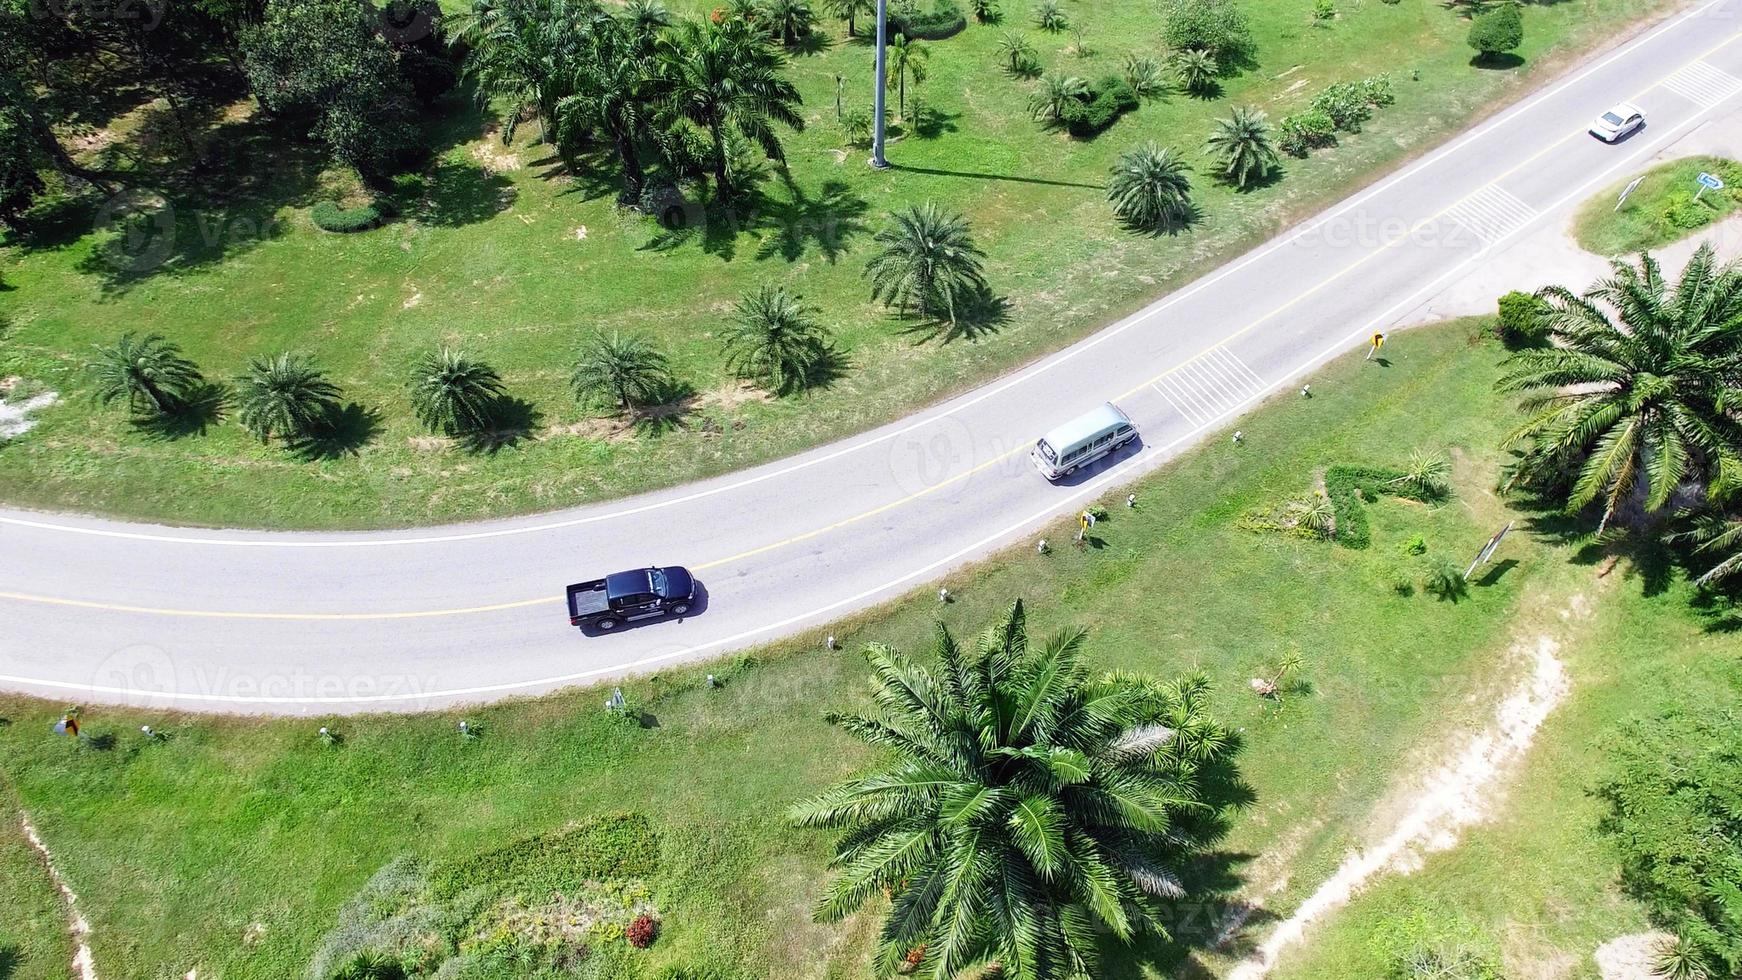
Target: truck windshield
column 657, row 578
column 1046, row 452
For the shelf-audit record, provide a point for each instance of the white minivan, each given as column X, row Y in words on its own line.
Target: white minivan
column 1081, row 441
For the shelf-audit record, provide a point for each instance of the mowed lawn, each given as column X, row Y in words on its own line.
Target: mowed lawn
column 231, row 846
column 503, row 254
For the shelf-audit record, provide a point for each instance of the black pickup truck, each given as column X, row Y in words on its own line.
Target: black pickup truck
column 607, row 603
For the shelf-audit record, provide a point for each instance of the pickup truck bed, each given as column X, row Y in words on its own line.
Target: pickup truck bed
column 587, row 599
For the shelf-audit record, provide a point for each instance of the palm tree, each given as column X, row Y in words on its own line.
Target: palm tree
column 612, row 86
column 1017, row 54
column 452, row 393
column 1151, row 188
column 1057, row 90
column 520, row 51
column 1242, row 144
column 906, row 57
column 849, row 10
column 622, row 371
column 1638, row 391
column 775, row 339
column 790, row 20
column 284, row 395
column 1049, row 16
column 1427, row 476
column 926, row 258
column 149, row 372
column 1717, row 538
column 1196, row 70
column 1143, row 73
column 726, row 77
column 1024, row 808
column 646, row 17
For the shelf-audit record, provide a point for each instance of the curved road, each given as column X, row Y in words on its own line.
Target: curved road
column 99, row 611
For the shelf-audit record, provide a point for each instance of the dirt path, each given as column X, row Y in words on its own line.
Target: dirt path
column 84, row 965
column 1450, row 799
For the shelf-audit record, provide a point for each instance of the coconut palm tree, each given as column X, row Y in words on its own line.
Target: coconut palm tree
column 612, row 88
column 725, row 77
column 646, row 17
column 1242, row 145
column 849, row 11
column 1196, row 70
column 1057, row 90
column 1025, row 807
column 520, row 52
column 775, row 339
column 790, row 20
column 284, row 395
column 1017, row 54
column 906, row 57
column 1151, row 189
column 149, row 372
column 926, row 259
column 620, row 371
column 453, row 393
column 1638, row 392
column 1716, row 538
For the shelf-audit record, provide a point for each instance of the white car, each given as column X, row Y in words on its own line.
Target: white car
column 1611, row 126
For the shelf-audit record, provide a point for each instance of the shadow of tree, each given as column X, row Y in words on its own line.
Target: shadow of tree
column 670, row 411
column 979, row 316
column 1174, row 226
column 9, row 959
column 344, row 432
column 511, row 421
column 827, row 222
column 457, row 194
column 202, row 408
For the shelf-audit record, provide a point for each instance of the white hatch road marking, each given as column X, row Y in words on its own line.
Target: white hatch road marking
column 1703, row 84
column 1204, row 387
column 1491, row 214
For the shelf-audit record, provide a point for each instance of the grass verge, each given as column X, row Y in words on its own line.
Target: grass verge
column 1662, row 209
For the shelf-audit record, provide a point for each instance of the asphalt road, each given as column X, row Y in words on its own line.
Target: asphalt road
column 95, row 611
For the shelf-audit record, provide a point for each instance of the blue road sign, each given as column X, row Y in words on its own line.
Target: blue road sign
column 1711, row 182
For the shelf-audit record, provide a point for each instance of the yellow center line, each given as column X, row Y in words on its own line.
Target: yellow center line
column 884, row 508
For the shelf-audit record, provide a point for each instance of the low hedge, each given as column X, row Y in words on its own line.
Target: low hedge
column 1350, row 489
column 945, row 19
column 1108, row 99
column 621, row 845
column 328, row 216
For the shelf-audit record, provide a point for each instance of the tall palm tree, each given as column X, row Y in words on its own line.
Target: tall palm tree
column 1242, row 144
column 790, row 20
column 1024, row 808
column 1196, row 70
column 612, row 88
column 1057, row 90
column 1151, row 188
column 906, row 57
column 1639, row 389
column 621, row 371
column 927, row 259
column 149, row 372
column 849, row 11
column 284, row 395
column 521, row 51
column 453, row 393
column 725, row 77
column 775, row 339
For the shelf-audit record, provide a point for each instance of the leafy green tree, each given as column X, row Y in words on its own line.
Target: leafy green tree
column 849, row 11
column 622, row 371
column 1017, row 54
column 1051, row 102
column 1497, row 31
column 906, row 58
column 453, row 393
column 1637, row 391
column 726, row 78
column 1026, row 807
column 149, row 372
column 1196, row 71
column 926, row 259
column 1673, row 814
column 325, row 60
column 284, row 395
column 1241, row 144
column 1215, row 27
column 29, row 112
column 775, row 339
column 1151, row 188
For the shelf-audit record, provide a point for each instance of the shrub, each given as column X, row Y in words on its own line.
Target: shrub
column 1681, row 212
column 1377, row 90
column 642, row 932
column 618, row 846
column 856, row 126
column 1445, row 581
column 1143, row 72
column 1049, row 16
column 328, row 216
column 1107, row 100
column 1520, row 320
column 1305, row 132
column 1213, row 26
column 945, row 19
column 985, row 11
column 1423, row 944
column 369, row 965
column 1416, row 545
column 1346, row 103
column 1324, row 10
column 1497, row 31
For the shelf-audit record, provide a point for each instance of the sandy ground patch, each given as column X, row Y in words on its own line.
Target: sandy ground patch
column 1630, row 957
column 16, row 420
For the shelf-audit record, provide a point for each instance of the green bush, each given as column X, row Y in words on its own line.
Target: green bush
column 1347, row 105
column 945, row 19
column 328, row 216
column 619, row 846
column 1213, row 26
column 1304, row 132
column 1520, row 319
column 1497, row 31
column 1376, row 89
column 1444, row 580
column 370, row 966
column 1108, row 99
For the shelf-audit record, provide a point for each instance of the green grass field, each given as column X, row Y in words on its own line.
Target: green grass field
column 33, row 937
column 1660, row 210
column 231, row 846
column 490, row 257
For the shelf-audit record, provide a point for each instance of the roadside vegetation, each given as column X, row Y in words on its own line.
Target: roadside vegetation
column 33, row 934
column 1661, row 210
column 247, row 847
column 466, row 178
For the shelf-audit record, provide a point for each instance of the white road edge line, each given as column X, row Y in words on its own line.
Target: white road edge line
column 1046, row 364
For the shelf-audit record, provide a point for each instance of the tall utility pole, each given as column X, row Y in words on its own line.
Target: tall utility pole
column 877, row 110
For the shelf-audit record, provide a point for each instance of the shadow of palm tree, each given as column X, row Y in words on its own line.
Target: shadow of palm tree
column 461, row 194
column 1176, row 225
column 827, row 222
column 510, row 422
column 936, row 172
column 202, row 408
column 9, row 957
column 669, row 412
column 978, row 316
column 344, row 432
